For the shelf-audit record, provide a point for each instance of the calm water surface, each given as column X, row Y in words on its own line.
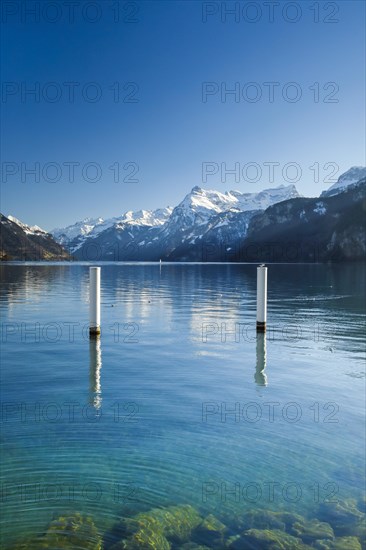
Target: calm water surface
column 179, row 401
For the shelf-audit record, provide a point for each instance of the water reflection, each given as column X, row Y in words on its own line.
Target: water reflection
column 261, row 351
column 95, row 366
column 169, row 374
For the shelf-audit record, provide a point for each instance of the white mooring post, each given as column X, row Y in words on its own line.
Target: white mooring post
column 261, row 298
column 94, row 301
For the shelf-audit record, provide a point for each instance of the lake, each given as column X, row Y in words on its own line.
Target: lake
column 180, row 402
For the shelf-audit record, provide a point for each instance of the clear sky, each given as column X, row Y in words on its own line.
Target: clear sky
column 144, row 90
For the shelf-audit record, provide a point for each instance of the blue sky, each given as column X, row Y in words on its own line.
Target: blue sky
column 163, row 128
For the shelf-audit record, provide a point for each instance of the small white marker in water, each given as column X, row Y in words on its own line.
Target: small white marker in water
column 94, row 301
column 261, row 298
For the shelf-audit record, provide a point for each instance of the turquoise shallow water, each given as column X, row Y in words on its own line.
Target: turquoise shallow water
column 179, row 402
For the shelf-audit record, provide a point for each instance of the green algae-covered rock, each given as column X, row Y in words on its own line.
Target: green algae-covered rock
column 72, row 532
column 342, row 543
column 262, row 519
column 289, row 518
column 346, row 543
column 344, row 517
column 266, row 519
column 212, row 524
column 66, row 532
column 210, row 532
column 145, row 539
column 145, row 534
column 257, row 539
column 231, row 540
column 154, row 528
column 177, row 521
column 312, row 530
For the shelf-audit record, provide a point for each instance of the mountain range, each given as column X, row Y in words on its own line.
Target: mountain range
column 275, row 224
column 202, row 216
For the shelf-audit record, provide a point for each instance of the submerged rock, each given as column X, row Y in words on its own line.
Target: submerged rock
column 71, row 532
column 262, row 519
column 210, row 531
column 212, row 524
column 66, row 532
column 289, row 518
column 267, row 519
column 257, row 539
column 231, row 540
column 147, row 538
column 344, row 516
column 154, row 529
column 342, row 543
column 178, row 522
column 312, row 530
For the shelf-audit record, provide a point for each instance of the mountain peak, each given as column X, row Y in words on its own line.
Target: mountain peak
column 27, row 228
column 354, row 173
column 351, row 176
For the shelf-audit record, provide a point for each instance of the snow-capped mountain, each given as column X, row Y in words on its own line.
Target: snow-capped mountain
column 78, row 229
column 205, row 218
column 28, row 229
column 330, row 229
column 351, row 177
column 201, row 217
column 200, row 204
column 76, row 235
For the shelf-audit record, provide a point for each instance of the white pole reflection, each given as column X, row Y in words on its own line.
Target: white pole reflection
column 260, row 377
column 95, row 366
